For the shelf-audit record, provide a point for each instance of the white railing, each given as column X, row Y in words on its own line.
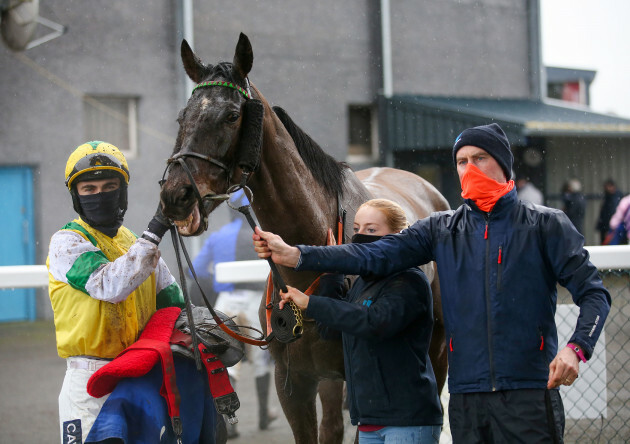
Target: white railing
column 23, row 276
column 33, row 276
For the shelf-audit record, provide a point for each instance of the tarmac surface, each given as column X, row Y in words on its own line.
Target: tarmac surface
column 31, row 374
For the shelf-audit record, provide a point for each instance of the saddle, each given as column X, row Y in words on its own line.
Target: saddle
column 228, row 349
column 168, row 332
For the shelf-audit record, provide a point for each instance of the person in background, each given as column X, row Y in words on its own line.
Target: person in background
column 232, row 242
column 612, row 196
column 499, row 260
column 622, row 216
column 104, row 282
column 574, row 204
column 386, row 324
column 527, row 191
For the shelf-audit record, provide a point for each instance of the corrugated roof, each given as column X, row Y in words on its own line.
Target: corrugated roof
column 421, row 122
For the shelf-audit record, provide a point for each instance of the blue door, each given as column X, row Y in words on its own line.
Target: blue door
column 17, row 243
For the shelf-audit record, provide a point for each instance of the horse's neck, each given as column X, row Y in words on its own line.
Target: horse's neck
column 287, row 199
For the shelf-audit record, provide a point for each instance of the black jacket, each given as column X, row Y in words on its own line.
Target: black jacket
column 386, row 327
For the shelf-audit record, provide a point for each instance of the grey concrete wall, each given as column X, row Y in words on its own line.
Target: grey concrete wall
column 316, row 58
column 110, row 47
column 460, row 48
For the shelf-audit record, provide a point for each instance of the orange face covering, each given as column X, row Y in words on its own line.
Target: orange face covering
column 482, row 190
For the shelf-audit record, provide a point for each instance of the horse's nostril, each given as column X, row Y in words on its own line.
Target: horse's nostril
column 178, row 197
column 178, row 202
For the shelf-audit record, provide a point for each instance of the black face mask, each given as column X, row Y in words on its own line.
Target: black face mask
column 102, row 211
column 364, row 238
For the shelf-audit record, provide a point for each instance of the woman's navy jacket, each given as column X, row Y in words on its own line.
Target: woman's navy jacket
column 386, row 327
column 498, row 273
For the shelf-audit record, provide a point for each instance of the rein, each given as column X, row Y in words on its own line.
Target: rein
column 180, row 158
column 178, row 242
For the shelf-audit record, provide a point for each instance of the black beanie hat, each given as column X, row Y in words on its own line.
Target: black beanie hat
column 490, row 138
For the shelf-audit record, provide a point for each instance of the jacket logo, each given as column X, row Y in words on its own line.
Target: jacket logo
column 72, row 432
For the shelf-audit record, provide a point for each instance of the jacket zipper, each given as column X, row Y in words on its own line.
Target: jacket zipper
column 500, row 267
column 488, row 306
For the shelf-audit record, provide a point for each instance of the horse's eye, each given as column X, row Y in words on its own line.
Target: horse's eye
column 232, row 117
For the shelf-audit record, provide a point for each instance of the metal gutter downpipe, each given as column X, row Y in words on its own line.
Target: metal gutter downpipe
column 386, row 42
column 387, row 157
column 538, row 76
column 185, row 30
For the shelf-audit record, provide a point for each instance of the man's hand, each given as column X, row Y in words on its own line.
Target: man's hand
column 158, row 225
column 269, row 245
column 159, row 217
column 564, row 368
column 330, row 238
column 295, row 295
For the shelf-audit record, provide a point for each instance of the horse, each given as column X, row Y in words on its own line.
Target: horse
column 298, row 192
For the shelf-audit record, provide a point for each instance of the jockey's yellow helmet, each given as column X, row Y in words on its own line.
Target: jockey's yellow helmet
column 96, row 160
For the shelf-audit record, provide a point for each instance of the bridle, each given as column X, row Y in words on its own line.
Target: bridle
column 205, row 204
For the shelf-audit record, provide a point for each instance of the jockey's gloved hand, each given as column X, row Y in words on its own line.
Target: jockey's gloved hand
column 158, row 225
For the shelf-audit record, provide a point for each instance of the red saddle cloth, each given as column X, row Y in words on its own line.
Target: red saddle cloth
column 141, row 356
column 154, row 345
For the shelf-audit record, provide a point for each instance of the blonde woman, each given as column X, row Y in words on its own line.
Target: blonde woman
column 386, row 325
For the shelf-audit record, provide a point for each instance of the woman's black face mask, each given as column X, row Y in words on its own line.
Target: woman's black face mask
column 364, row 238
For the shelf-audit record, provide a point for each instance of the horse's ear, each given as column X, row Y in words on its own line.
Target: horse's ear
column 243, row 57
column 192, row 64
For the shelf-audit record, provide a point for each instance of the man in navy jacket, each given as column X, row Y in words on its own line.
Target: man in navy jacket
column 499, row 261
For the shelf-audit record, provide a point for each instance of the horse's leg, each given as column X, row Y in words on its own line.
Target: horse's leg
column 331, row 427
column 297, row 397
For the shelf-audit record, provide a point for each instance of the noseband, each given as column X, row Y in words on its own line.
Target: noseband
column 204, row 203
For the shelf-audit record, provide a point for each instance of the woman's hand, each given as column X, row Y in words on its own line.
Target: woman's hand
column 295, row 295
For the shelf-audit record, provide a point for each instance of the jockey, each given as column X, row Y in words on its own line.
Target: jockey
column 104, row 282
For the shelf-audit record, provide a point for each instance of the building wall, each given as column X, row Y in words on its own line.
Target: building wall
column 110, row 47
column 461, row 48
column 315, row 60
column 312, row 58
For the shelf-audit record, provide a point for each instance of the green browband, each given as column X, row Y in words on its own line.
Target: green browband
column 222, row 83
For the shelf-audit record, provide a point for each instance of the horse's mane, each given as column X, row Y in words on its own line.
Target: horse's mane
column 326, row 170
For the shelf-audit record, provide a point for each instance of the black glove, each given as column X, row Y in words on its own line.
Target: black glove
column 157, row 226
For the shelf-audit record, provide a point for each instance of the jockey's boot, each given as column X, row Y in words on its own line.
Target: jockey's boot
column 265, row 417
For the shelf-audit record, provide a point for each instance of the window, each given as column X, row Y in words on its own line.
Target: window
column 112, row 119
column 360, row 133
